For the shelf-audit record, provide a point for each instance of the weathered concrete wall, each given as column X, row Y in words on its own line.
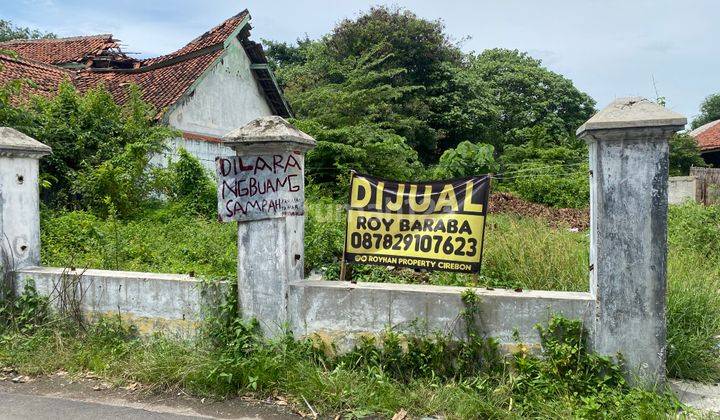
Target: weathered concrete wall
column 19, row 199
column 225, row 98
column 271, row 252
column 171, row 303
column 628, row 143
column 19, row 211
column 682, row 189
column 341, row 311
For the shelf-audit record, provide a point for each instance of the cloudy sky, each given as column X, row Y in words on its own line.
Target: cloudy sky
column 608, row 48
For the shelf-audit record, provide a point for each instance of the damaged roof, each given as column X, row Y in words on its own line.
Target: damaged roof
column 163, row 80
column 45, row 78
column 60, row 51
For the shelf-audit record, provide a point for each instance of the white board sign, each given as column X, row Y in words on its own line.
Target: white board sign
column 260, row 187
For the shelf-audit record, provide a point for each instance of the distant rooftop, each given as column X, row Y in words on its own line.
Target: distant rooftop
column 708, row 136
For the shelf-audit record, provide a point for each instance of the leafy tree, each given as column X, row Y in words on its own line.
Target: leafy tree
column 684, row 153
column 466, row 159
column 709, row 111
column 410, row 72
column 554, row 185
column 283, row 54
column 417, row 45
column 10, row 31
column 528, row 94
column 350, row 107
column 538, row 146
column 547, row 170
column 366, row 148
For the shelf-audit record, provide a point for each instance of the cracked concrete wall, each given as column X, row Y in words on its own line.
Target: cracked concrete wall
column 226, row 97
column 629, row 247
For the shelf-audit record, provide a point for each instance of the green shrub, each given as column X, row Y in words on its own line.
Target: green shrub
column 165, row 239
column 693, row 310
column 555, row 186
column 424, row 376
column 695, row 228
column 684, row 154
column 467, row 159
column 324, row 234
column 186, row 183
column 25, row 312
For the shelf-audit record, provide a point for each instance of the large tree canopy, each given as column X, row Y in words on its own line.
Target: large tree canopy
column 391, row 81
column 526, row 95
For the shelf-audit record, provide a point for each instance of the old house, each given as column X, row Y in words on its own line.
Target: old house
column 708, row 139
column 216, row 83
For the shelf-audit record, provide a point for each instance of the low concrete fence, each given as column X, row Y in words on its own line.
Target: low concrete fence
column 172, row 303
column 339, row 312
column 682, row 189
column 336, row 312
column 708, row 184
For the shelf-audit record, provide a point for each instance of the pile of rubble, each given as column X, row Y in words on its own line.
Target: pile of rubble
column 502, row 202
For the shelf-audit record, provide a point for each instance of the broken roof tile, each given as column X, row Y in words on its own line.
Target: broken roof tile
column 61, row 50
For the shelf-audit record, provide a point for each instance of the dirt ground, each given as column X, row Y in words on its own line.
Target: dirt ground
column 509, row 203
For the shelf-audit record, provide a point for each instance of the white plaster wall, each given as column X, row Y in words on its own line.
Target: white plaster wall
column 205, row 151
column 19, row 210
column 681, row 189
column 226, row 97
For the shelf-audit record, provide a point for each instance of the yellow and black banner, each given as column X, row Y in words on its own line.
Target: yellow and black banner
column 435, row 225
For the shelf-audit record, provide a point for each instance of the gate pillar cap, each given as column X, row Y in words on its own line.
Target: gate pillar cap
column 264, row 133
column 630, row 113
column 16, row 144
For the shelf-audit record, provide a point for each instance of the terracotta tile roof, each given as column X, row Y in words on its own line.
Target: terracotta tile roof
column 44, row 78
column 61, row 50
column 708, row 136
column 214, row 36
column 161, row 86
column 163, row 80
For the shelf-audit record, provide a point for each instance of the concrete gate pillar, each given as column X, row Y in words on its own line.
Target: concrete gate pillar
column 628, row 143
column 271, row 251
column 19, row 199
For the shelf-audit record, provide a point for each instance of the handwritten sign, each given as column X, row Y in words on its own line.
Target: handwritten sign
column 259, row 187
column 435, row 225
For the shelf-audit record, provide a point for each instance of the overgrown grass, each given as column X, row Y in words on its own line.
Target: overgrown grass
column 425, row 375
column 520, row 252
column 693, row 308
column 164, row 239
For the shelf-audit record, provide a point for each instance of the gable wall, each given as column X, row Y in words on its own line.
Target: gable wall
column 226, row 97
